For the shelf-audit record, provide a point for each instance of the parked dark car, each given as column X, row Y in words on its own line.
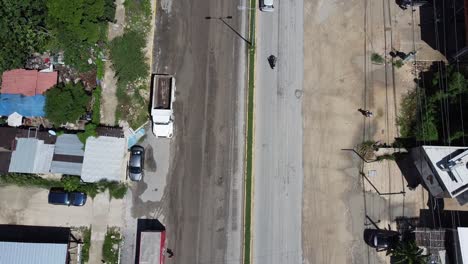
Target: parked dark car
column 61, row 197
column 381, row 239
column 136, row 163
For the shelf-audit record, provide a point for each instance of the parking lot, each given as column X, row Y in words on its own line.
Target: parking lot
column 28, row 206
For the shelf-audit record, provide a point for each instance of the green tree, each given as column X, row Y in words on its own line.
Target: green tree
column 22, row 31
column 76, row 19
column 66, row 103
column 408, row 253
column 426, row 128
column 79, row 25
column 109, row 10
column 456, row 85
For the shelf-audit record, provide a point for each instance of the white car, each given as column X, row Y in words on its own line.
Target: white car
column 266, row 5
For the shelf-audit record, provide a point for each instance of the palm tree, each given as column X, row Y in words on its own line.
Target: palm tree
column 408, row 253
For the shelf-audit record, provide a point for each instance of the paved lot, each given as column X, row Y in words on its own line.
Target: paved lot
column 278, row 172
column 28, row 206
column 145, row 198
column 202, row 201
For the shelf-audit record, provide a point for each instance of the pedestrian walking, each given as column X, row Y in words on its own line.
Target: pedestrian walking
column 169, row 253
column 366, row 113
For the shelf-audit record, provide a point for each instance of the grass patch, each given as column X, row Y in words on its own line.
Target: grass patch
column 377, row 58
column 99, row 69
column 250, row 116
column 138, row 15
column 128, row 58
column 86, row 233
column 110, row 248
column 407, row 117
column 97, row 94
column 398, row 64
column 90, row 131
column 130, row 65
column 70, row 183
column 133, row 107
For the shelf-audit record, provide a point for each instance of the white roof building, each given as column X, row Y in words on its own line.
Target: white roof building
column 104, row 159
column 444, row 170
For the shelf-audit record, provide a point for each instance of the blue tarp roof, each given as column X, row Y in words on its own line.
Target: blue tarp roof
column 24, row 105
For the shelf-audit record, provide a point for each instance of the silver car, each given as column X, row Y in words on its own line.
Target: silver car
column 136, row 163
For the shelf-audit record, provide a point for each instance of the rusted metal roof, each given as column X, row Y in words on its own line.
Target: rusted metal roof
column 27, row 82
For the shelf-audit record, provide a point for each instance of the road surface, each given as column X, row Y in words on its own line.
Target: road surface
column 278, row 172
column 203, row 200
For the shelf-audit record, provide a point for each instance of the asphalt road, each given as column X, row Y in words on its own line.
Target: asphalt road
column 278, row 174
column 203, row 211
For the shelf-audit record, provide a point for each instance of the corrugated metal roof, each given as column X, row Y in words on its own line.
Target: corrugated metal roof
column 43, row 159
column 37, row 253
column 63, row 167
column 27, row 82
column 69, row 144
column 103, row 159
column 31, row 156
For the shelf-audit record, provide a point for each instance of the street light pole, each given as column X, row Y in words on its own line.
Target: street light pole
column 230, row 27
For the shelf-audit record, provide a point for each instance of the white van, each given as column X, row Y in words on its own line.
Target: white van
column 266, row 5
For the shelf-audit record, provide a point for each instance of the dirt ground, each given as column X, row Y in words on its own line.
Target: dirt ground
column 109, row 84
column 339, row 78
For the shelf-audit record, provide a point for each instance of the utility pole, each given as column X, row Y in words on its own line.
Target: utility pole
column 223, row 19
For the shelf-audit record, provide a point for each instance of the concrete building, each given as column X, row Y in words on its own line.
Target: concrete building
column 104, row 159
column 444, row 170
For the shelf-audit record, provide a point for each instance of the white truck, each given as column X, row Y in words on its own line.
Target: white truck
column 161, row 105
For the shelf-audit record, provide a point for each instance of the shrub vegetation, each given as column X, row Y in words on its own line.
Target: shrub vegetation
column 70, row 183
column 110, row 248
